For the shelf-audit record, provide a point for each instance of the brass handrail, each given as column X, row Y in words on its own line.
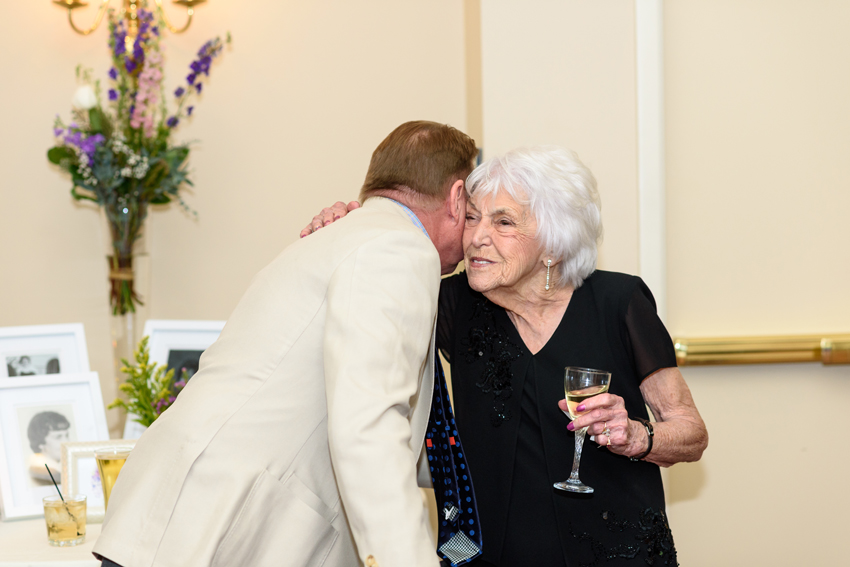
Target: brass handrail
column 828, row 349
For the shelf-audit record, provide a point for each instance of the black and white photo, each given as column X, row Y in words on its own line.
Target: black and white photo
column 43, row 430
column 37, row 416
column 182, row 359
column 33, row 364
column 42, row 350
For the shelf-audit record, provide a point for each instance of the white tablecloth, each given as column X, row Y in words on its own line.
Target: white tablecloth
column 23, row 543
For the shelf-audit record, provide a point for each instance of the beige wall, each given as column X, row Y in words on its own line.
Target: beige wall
column 757, row 121
column 563, row 72
column 286, row 126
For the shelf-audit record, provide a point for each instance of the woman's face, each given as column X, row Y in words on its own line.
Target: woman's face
column 500, row 243
column 52, row 446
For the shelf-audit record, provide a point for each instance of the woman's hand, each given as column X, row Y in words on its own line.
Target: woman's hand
column 329, row 215
column 680, row 433
column 608, row 424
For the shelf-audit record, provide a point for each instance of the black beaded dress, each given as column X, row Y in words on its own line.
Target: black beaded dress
column 516, row 438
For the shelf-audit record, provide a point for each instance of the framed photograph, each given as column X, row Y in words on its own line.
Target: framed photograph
column 37, row 415
column 40, row 350
column 81, row 476
column 179, row 345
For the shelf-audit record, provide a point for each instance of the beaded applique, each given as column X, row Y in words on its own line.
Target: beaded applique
column 651, row 530
column 488, row 339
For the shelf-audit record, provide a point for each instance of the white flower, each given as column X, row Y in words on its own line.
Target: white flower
column 85, row 98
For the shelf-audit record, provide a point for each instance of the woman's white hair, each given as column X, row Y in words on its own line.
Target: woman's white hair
column 561, row 194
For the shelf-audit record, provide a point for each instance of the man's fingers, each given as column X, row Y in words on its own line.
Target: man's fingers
column 353, row 205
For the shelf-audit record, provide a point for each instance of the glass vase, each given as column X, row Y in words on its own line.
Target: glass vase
column 125, row 223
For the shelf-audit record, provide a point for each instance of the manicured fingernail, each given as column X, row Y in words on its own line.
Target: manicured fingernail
column 570, row 426
column 336, row 218
column 580, row 408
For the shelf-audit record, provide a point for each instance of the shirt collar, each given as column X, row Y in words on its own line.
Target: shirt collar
column 409, row 213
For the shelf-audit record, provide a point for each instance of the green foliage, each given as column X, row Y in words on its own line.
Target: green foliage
column 59, row 153
column 149, row 387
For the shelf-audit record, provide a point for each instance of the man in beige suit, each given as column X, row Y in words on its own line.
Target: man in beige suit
column 297, row 441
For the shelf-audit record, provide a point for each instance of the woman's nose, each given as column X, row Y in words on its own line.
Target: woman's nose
column 481, row 234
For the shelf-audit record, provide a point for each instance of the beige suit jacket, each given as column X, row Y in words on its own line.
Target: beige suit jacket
column 296, row 443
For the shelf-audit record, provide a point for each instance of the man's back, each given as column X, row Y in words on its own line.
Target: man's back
column 248, row 465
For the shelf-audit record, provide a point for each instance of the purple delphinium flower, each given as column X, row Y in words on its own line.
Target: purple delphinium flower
column 129, row 64
column 90, row 144
column 189, row 110
column 179, row 92
column 113, row 73
column 118, row 37
column 59, row 131
column 172, row 122
column 113, row 94
column 74, row 138
column 190, row 78
column 198, row 86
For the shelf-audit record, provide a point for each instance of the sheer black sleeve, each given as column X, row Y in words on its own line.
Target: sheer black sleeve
column 450, row 289
column 650, row 343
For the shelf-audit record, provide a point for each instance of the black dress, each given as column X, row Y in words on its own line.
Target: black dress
column 515, row 436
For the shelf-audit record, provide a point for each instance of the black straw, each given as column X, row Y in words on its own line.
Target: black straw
column 63, row 500
column 54, row 482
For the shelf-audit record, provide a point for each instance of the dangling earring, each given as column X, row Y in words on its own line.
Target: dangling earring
column 548, row 267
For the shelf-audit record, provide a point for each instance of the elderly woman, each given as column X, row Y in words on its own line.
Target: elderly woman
column 529, row 304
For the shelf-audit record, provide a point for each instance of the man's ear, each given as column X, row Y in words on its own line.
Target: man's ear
column 456, row 203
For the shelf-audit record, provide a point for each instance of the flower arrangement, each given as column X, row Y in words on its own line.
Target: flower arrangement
column 150, row 389
column 119, row 154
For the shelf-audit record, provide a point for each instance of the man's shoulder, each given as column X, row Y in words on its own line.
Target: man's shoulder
column 381, row 224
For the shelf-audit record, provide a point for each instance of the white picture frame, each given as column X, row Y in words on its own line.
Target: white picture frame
column 58, row 408
column 175, row 343
column 80, row 474
column 39, row 350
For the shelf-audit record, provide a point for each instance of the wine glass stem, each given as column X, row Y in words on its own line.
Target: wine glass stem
column 577, row 457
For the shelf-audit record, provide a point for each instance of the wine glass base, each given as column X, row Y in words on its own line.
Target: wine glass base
column 573, row 487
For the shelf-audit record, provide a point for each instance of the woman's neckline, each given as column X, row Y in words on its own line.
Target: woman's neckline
column 542, row 338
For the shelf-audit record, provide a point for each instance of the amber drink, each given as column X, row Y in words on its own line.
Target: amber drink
column 66, row 521
column 109, row 463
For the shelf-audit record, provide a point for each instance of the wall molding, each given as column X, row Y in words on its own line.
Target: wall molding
column 652, row 217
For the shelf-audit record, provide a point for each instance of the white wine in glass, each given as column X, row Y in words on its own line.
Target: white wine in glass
column 579, row 385
column 109, row 464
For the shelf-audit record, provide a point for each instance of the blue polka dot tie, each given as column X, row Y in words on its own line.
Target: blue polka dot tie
column 459, row 535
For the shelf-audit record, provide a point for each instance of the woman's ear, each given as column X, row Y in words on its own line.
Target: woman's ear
column 549, row 257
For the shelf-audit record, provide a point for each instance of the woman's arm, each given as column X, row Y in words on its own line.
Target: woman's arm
column 329, row 215
column 679, row 431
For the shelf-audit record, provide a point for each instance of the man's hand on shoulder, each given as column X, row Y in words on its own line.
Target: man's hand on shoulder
column 328, row 215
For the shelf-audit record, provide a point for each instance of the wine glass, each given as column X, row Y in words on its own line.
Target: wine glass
column 579, row 385
column 109, row 464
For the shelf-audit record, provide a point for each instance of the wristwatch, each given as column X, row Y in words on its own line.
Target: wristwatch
column 650, row 433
